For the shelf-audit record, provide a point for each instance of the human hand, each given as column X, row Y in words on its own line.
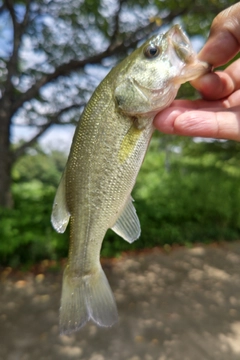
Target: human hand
column 218, row 114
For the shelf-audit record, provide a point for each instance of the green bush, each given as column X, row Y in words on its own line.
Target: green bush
column 180, row 198
column 26, row 232
column 193, row 202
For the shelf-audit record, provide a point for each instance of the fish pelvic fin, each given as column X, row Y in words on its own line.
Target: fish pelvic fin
column 127, row 225
column 60, row 214
column 84, row 298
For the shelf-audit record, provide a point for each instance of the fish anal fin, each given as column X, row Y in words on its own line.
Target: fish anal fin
column 127, row 225
column 60, row 214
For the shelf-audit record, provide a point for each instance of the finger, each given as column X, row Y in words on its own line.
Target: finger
column 164, row 121
column 233, row 100
column 193, row 105
column 224, row 39
column 215, row 124
column 219, row 84
column 223, row 124
column 233, row 71
column 214, row 86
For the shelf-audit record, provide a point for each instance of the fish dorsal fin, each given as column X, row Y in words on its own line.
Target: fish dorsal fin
column 60, row 214
column 127, row 225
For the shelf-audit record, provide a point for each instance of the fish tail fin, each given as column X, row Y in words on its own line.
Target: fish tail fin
column 84, row 298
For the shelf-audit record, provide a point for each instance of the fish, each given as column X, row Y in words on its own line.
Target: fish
column 107, row 151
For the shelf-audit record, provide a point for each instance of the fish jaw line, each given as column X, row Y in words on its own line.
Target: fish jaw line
column 158, row 99
column 184, row 58
column 145, row 91
column 193, row 71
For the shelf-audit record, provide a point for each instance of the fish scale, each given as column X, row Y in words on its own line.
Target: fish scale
column 107, row 151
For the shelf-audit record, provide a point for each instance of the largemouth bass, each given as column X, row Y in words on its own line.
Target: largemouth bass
column 107, row 151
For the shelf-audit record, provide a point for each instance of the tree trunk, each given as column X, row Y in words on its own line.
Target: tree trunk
column 5, row 159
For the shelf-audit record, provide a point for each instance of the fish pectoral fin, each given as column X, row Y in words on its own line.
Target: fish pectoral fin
column 60, row 214
column 127, row 225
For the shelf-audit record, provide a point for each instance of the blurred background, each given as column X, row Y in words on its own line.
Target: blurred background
column 53, row 54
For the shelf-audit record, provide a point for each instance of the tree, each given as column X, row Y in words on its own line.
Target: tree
column 44, row 78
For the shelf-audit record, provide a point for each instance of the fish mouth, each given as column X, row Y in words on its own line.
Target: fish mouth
column 192, row 67
column 193, row 71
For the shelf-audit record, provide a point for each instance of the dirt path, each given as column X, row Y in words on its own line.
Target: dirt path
column 181, row 306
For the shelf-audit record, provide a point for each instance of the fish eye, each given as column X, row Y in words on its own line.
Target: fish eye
column 151, row 51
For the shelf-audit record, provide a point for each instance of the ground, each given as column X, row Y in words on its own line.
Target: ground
column 181, row 305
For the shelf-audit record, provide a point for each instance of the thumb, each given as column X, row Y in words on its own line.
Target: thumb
column 224, row 39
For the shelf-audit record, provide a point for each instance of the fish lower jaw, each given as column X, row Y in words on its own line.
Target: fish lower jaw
column 193, row 72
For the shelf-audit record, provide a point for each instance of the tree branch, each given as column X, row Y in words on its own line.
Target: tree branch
column 18, row 30
column 53, row 120
column 2, row 8
column 116, row 22
column 72, row 65
column 10, row 7
column 65, row 69
column 26, row 16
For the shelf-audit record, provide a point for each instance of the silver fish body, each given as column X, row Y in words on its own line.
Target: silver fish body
column 107, row 151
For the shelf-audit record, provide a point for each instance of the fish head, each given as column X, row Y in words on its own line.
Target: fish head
column 150, row 77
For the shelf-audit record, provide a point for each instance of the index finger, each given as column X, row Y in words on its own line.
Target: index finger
column 224, row 39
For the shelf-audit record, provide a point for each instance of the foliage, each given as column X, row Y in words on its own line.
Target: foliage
column 196, row 200
column 26, row 232
column 182, row 195
column 38, row 165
